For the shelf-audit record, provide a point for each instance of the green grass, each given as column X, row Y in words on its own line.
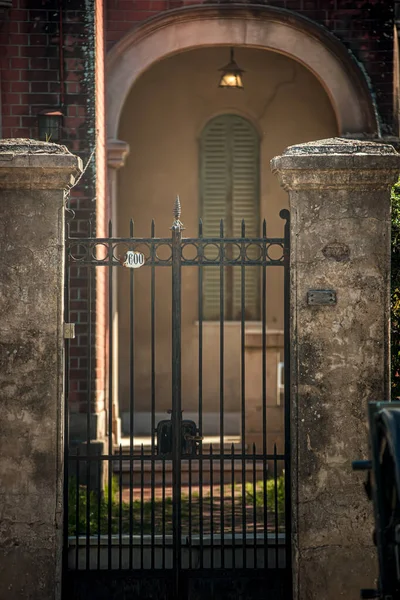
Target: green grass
column 275, row 495
column 139, row 516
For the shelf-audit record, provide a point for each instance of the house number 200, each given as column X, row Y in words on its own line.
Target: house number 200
column 134, row 260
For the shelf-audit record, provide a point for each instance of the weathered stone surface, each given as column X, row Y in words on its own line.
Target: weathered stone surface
column 340, row 239
column 14, row 146
column 31, row 368
column 30, row 164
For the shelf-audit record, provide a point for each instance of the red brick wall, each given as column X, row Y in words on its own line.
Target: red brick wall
column 47, row 50
column 364, row 26
column 30, row 67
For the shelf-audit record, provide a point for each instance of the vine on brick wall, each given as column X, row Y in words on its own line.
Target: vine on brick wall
column 395, row 291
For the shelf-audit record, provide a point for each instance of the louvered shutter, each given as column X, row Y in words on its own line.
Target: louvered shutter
column 229, row 190
column 245, row 205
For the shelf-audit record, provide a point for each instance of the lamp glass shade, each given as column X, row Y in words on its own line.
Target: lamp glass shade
column 231, row 75
column 231, row 80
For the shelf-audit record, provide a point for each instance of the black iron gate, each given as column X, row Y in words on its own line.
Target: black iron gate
column 177, row 513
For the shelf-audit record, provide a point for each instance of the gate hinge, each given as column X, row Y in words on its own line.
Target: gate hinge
column 69, row 331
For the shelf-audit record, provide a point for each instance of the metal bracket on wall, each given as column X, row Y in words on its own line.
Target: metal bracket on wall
column 69, row 331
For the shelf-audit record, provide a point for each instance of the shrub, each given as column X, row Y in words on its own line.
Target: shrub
column 275, row 493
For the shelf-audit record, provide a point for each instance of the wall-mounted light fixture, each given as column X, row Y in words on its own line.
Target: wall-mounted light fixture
column 49, row 125
column 231, row 75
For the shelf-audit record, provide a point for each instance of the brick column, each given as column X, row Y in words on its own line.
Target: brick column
column 33, row 176
column 339, row 193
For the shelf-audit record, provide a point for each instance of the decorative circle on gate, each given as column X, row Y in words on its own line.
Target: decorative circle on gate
column 78, row 252
column 163, row 252
column 211, row 253
column 275, row 251
column 99, row 252
column 190, row 252
column 119, row 251
column 254, row 252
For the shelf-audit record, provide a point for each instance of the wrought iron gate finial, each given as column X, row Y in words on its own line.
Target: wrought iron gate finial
column 177, row 224
column 177, row 209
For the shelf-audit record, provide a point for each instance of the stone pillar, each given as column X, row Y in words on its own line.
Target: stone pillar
column 339, row 193
column 33, row 176
column 117, row 151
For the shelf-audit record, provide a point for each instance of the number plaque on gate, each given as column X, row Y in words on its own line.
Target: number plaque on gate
column 134, row 260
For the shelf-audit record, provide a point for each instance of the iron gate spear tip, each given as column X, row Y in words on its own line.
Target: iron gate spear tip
column 177, row 214
column 177, row 208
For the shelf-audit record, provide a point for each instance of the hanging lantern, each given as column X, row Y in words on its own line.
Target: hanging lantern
column 231, row 75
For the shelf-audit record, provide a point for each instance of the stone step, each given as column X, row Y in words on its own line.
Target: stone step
column 208, row 440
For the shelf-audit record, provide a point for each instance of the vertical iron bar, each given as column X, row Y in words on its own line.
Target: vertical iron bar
column 176, row 392
column 153, row 391
column 211, row 507
column 77, row 511
column 110, row 392
column 221, row 385
column 200, row 292
column 233, row 507
column 264, row 389
column 163, row 512
column 131, row 401
column 100, row 466
column 255, row 506
column 190, row 512
column 67, row 483
column 276, row 507
column 89, row 406
column 141, row 506
column 243, row 390
column 286, row 291
column 120, row 505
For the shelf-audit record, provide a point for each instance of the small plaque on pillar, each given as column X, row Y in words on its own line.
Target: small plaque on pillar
column 321, row 297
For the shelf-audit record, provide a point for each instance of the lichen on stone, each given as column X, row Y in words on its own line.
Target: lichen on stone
column 28, row 146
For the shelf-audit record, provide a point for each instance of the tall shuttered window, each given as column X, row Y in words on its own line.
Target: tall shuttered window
column 229, row 190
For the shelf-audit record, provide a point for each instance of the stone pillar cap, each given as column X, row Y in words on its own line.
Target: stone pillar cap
column 337, row 163
column 339, row 146
column 30, row 164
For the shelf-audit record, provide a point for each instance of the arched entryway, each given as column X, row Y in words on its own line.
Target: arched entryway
column 165, row 121
column 257, row 26
column 304, row 85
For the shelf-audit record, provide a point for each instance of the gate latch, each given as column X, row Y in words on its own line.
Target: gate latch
column 189, row 437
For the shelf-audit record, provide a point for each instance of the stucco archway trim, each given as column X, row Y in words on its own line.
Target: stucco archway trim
column 268, row 28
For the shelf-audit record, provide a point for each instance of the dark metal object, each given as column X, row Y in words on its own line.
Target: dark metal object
column 321, row 297
column 189, row 438
column 383, row 489
column 179, row 517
